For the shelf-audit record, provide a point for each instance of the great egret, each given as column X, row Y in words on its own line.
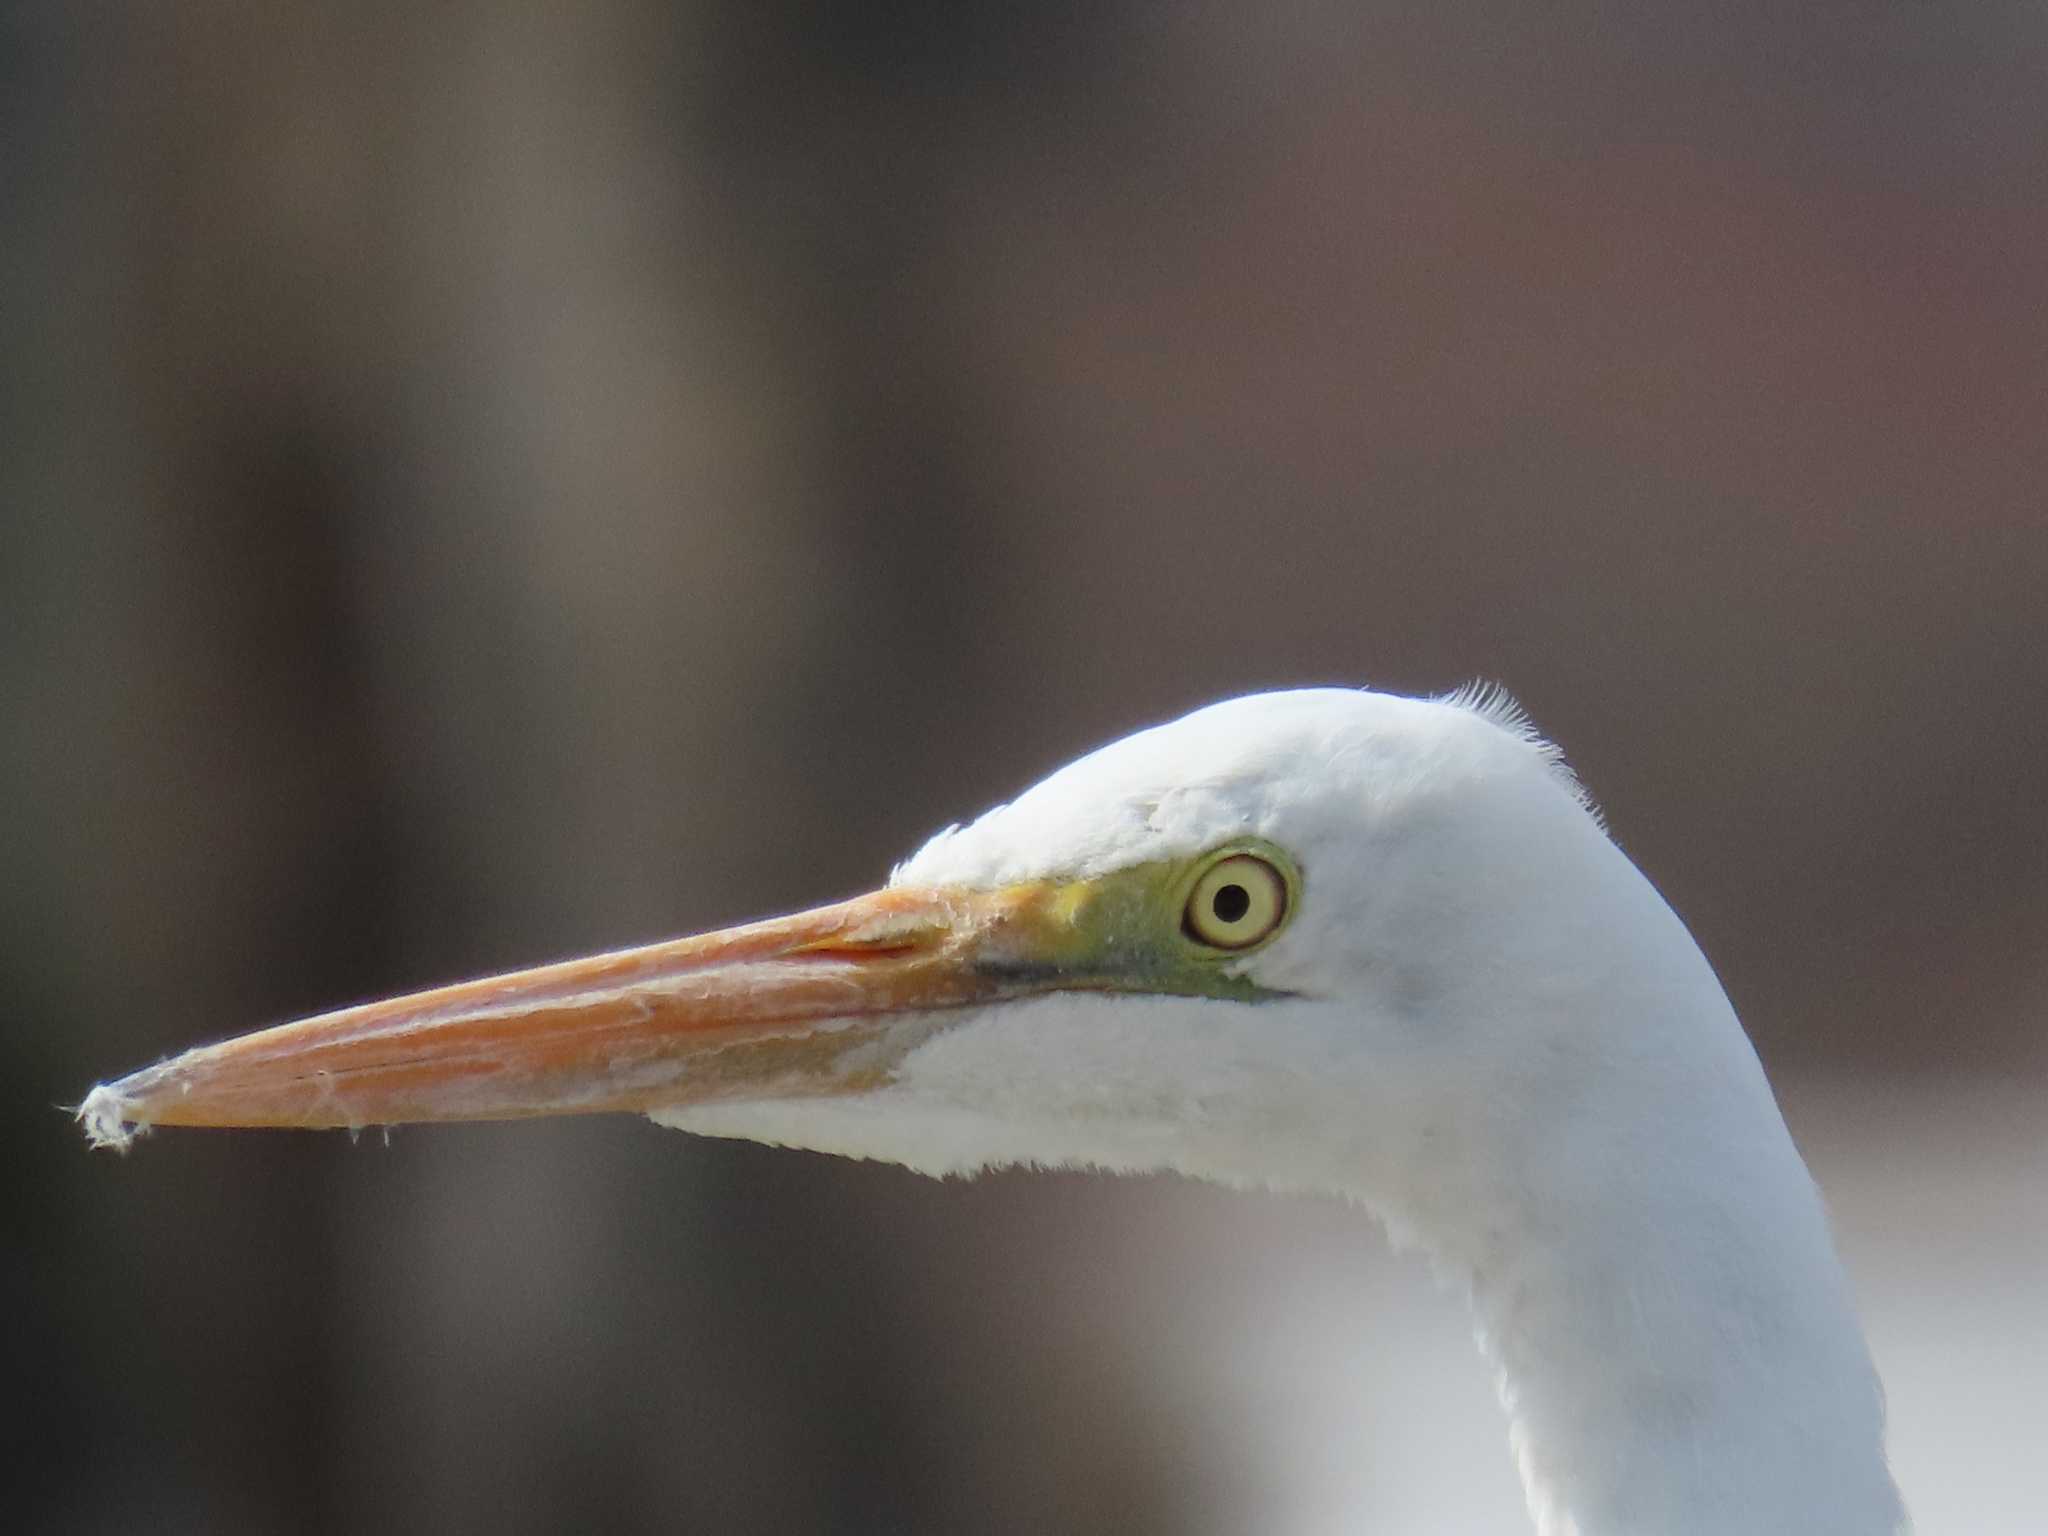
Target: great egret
column 1321, row 940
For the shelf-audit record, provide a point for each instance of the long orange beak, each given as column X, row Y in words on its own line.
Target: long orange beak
column 823, row 1002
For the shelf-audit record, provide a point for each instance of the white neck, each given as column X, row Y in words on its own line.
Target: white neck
column 1579, row 1128
column 1676, row 1345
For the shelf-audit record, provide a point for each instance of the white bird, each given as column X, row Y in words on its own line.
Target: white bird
column 1324, row 940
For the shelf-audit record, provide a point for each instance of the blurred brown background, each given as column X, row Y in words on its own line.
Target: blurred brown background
column 482, row 483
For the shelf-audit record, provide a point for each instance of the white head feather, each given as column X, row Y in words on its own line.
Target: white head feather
column 1498, row 1037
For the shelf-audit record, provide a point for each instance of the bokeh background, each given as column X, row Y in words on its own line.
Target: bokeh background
column 486, row 482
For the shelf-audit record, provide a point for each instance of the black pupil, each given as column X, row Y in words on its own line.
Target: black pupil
column 1230, row 903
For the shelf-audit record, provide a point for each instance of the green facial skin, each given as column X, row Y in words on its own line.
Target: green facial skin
column 1126, row 931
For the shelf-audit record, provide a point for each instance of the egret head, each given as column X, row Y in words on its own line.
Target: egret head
column 1264, row 943
column 1319, row 940
column 1290, row 939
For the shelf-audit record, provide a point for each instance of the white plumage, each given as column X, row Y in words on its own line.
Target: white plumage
column 1478, row 1021
column 1502, row 1042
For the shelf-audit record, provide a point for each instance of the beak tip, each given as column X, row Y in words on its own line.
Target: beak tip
column 110, row 1118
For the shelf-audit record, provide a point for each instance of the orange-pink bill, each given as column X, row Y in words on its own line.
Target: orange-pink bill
column 822, row 1002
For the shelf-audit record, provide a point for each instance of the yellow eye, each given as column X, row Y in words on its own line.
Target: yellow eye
column 1236, row 903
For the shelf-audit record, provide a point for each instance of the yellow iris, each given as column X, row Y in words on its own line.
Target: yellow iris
column 1237, row 901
